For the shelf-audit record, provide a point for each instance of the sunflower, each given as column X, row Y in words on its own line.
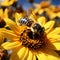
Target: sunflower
column 51, row 15
column 58, row 14
column 43, row 9
column 54, row 12
column 27, row 46
column 44, row 6
column 6, row 3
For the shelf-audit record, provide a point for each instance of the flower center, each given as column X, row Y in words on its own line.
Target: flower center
column 32, row 40
column 2, row 23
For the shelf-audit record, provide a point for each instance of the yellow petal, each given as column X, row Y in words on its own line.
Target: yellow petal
column 1, row 13
column 10, row 45
column 57, row 45
column 33, row 17
column 30, row 56
column 56, row 37
column 11, row 2
column 12, row 25
column 1, row 38
column 26, row 54
column 5, row 43
column 7, row 2
column 34, row 57
column 48, row 26
column 14, row 56
column 6, row 13
column 51, row 57
column 51, row 54
column 41, row 11
column 56, row 31
column 10, row 35
column 18, row 16
column 41, row 20
column 21, row 53
column 42, row 56
column 58, row 14
column 53, row 15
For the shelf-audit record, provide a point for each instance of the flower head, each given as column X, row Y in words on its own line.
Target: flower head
column 30, row 43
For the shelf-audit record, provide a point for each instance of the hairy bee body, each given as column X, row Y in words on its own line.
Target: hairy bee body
column 37, row 27
column 25, row 21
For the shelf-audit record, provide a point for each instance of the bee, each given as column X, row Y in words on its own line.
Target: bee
column 35, row 27
column 25, row 21
column 38, row 28
column 33, row 36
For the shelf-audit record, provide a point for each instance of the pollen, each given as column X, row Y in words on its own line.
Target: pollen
column 32, row 43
